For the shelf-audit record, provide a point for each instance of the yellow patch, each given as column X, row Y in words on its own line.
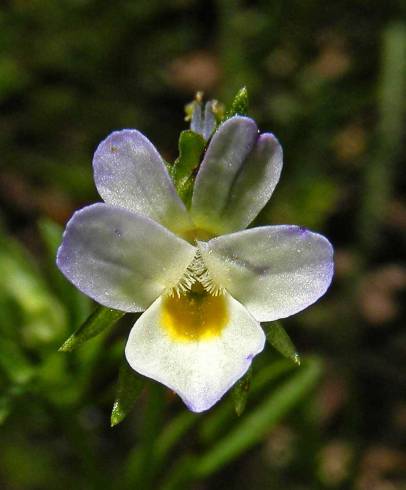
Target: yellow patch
column 196, row 315
column 197, row 234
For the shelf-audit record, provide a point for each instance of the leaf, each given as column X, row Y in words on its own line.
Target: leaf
column 214, row 424
column 240, row 392
column 280, row 340
column 239, row 105
column 191, row 146
column 381, row 171
column 173, row 432
column 259, row 422
column 41, row 317
column 98, row 321
column 129, row 387
column 181, row 473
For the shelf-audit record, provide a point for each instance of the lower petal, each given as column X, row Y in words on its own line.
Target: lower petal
column 198, row 357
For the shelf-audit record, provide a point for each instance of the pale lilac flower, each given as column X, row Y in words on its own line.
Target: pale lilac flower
column 205, row 285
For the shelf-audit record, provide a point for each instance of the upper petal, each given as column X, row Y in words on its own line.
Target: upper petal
column 199, row 371
column 130, row 173
column 275, row 271
column 237, row 177
column 121, row 259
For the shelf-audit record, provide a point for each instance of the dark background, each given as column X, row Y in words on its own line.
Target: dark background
column 329, row 79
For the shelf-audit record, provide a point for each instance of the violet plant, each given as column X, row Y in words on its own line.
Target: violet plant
column 172, row 242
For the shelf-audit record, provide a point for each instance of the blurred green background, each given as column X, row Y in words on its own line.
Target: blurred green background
column 329, row 79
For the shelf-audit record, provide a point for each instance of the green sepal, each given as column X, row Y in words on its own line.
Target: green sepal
column 98, row 321
column 240, row 392
column 187, row 191
column 129, row 388
column 191, row 146
column 280, row 340
column 239, row 105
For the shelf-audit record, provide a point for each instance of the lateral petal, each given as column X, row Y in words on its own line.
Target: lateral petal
column 121, row 259
column 274, row 271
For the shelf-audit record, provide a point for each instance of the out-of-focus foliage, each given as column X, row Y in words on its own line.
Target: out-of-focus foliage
column 329, row 79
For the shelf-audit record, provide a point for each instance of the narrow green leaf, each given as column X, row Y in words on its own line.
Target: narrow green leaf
column 280, row 340
column 381, row 170
column 141, row 468
column 41, row 317
column 239, row 106
column 98, row 321
column 191, row 146
column 215, row 423
column 240, row 392
column 129, row 387
column 181, row 473
column 172, row 433
column 259, row 422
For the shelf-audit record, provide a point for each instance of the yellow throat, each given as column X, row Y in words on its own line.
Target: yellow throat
column 194, row 315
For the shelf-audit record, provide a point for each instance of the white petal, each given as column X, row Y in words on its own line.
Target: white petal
column 121, row 259
column 130, row 173
column 237, row 177
column 274, row 271
column 199, row 371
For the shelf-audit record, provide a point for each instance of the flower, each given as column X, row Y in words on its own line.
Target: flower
column 205, row 285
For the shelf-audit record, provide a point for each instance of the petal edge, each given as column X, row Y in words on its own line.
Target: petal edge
column 130, row 173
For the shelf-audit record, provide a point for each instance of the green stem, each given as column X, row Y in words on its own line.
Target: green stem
column 141, row 466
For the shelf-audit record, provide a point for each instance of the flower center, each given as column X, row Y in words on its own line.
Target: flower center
column 197, row 234
column 194, row 315
column 196, row 308
column 196, row 273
